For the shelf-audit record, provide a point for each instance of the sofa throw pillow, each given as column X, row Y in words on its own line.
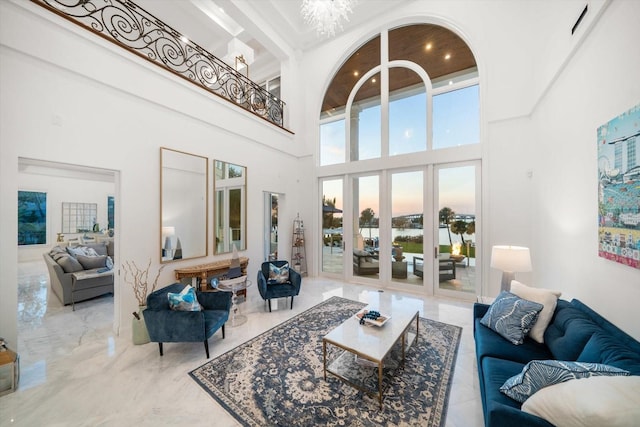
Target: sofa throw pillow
column 546, row 297
column 538, row 374
column 590, row 402
column 185, row 300
column 511, row 317
column 278, row 274
column 91, row 262
column 68, row 263
column 81, row 250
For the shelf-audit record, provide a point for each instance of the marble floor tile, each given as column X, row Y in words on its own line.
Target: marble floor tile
column 76, row 372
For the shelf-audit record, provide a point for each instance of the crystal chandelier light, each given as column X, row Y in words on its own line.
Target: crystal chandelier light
column 326, row 15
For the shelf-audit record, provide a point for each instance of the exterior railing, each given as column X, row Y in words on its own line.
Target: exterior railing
column 133, row 28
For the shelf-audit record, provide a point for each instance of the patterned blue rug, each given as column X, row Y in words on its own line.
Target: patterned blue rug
column 276, row 379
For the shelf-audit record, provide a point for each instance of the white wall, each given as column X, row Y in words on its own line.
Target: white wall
column 69, row 96
column 600, row 82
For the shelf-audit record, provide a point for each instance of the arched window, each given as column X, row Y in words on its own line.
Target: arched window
column 425, row 82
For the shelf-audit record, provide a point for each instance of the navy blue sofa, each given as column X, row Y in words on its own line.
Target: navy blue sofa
column 576, row 333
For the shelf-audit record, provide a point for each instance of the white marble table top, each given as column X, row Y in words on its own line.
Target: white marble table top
column 371, row 341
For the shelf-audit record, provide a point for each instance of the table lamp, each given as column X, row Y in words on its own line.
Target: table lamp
column 510, row 259
column 167, row 232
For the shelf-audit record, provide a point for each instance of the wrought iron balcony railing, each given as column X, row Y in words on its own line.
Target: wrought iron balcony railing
column 133, row 28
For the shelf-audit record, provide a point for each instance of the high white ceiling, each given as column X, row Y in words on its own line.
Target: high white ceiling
column 274, row 29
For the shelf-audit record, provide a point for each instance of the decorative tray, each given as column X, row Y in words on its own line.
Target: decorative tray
column 378, row 322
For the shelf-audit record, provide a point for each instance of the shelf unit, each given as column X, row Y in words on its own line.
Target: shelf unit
column 298, row 253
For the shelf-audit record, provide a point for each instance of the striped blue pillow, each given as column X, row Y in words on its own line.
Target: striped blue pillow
column 511, row 316
column 538, row 374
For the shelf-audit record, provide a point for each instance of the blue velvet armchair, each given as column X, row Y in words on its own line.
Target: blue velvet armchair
column 166, row 325
column 269, row 289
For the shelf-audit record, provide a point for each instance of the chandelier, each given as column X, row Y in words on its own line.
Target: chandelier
column 326, row 15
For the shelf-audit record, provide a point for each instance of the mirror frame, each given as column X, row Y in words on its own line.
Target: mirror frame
column 243, row 208
column 195, row 202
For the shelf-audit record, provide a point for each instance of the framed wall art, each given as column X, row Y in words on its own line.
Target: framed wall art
column 619, row 189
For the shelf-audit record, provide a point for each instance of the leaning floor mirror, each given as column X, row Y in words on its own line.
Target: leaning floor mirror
column 230, row 184
column 184, row 190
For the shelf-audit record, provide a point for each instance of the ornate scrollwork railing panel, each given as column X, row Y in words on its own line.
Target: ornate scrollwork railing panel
column 130, row 26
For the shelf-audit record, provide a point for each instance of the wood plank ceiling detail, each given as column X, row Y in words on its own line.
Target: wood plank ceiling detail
column 425, row 44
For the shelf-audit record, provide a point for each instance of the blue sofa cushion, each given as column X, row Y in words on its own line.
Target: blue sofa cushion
column 609, row 328
column 538, row 374
column 490, row 344
column 568, row 332
column 602, row 348
column 502, row 411
column 511, row 316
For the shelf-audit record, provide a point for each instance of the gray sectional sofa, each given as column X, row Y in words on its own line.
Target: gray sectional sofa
column 75, row 276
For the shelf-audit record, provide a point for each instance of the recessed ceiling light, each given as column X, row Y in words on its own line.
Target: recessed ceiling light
column 447, row 56
column 428, row 46
column 355, row 73
column 373, row 80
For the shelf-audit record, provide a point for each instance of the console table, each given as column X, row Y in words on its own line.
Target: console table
column 203, row 271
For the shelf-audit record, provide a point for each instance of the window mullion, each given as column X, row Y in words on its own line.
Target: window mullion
column 384, row 94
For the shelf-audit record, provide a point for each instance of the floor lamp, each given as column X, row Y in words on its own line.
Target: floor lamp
column 510, row 259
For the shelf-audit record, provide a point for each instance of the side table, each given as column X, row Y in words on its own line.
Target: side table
column 236, row 286
column 9, row 371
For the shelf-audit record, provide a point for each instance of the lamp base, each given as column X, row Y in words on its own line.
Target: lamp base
column 507, row 277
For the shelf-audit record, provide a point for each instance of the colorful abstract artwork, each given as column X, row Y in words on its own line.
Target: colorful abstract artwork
column 619, row 188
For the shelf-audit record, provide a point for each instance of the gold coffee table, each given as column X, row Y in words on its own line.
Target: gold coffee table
column 371, row 343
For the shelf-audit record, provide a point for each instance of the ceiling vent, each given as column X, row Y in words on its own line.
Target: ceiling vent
column 584, row 12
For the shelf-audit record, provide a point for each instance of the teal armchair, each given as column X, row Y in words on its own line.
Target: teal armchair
column 166, row 325
column 269, row 290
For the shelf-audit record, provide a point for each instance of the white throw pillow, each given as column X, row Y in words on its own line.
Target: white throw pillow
column 587, row 402
column 546, row 297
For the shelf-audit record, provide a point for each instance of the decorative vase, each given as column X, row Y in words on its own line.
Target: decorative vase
column 139, row 328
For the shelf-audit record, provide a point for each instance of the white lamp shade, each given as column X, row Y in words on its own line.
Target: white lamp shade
column 168, row 231
column 511, row 258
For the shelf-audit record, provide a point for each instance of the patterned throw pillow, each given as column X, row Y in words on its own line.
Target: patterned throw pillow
column 185, row 300
column 538, row 374
column 278, row 274
column 511, row 317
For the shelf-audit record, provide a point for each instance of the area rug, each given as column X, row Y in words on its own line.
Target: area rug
column 276, row 378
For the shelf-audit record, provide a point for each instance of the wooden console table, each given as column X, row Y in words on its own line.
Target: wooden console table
column 203, row 271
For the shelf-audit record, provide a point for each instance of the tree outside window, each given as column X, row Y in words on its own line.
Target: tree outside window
column 32, row 218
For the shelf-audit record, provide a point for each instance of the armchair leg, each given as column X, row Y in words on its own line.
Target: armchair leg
column 160, row 345
column 206, row 347
column 269, row 305
column 291, row 303
column 222, row 331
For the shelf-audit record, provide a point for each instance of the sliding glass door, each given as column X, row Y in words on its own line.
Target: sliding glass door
column 332, row 227
column 457, row 237
column 407, row 232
